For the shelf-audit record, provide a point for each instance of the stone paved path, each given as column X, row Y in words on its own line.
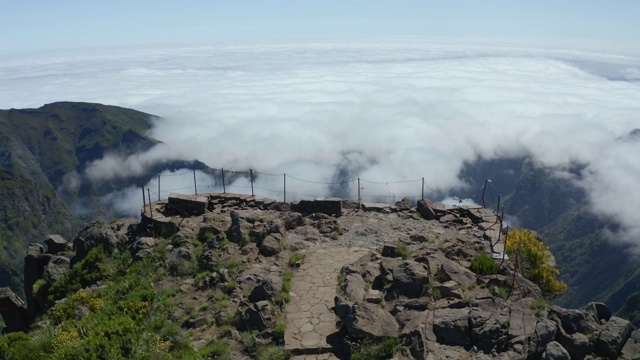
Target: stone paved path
column 310, row 319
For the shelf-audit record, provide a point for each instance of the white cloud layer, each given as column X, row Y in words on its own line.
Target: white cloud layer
column 399, row 109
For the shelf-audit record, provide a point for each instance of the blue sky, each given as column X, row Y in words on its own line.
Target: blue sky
column 45, row 24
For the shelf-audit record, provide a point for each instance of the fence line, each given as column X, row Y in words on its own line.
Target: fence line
column 364, row 192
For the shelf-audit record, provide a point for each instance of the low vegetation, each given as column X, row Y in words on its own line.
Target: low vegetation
column 532, row 257
column 484, row 265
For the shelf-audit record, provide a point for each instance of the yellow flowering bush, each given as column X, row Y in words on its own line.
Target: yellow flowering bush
column 534, row 258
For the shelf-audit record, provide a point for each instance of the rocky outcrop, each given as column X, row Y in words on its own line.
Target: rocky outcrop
column 13, row 311
column 366, row 321
column 94, row 235
column 56, row 244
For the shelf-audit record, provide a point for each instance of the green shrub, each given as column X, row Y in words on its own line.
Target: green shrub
column 484, row 265
column 369, row 350
column 83, row 274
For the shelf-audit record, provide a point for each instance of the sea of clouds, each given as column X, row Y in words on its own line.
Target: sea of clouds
column 388, row 111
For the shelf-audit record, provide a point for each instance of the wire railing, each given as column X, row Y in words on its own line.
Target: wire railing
column 285, row 187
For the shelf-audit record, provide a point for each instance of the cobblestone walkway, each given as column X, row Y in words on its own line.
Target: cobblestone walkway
column 310, row 320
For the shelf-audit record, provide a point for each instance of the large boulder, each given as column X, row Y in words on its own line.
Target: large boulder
column 257, row 316
column 266, row 289
column 271, row 245
column 94, row 235
column 57, row 267
column 426, row 209
column 572, row 320
column 369, row 321
column 329, row 206
column 293, row 220
column 544, row 333
column 408, row 278
column 56, row 244
column 13, row 311
column 577, row 344
column 489, row 330
column 632, row 348
column 613, row 337
column 353, row 285
column 555, row 351
column 451, row 326
column 34, row 264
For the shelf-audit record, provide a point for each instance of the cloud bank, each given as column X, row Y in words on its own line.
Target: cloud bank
column 385, row 111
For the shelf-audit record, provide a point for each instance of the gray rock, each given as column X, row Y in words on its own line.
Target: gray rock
column 451, row 270
column 187, row 205
column 451, row 326
column 613, row 337
column 270, row 246
column 13, row 311
column 183, row 254
column 426, row 209
column 329, row 206
column 572, row 321
column 632, row 348
column 370, row 321
column 266, row 289
column 555, row 351
column 257, row 316
column 235, row 233
column 208, row 260
column 413, row 336
column 489, row 330
column 34, row 263
column 449, row 289
column 293, row 220
column 92, row 236
column 409, row 278
column 342, row 307
column 57, row 267
column 599, row 311
column 577, row 344
column 56, row 244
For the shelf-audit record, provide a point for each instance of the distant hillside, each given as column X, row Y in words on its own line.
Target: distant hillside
column 593, row 267
column 37, row 148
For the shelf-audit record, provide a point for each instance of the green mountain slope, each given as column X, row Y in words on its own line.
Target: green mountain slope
column 37, row 148
column 594, row 268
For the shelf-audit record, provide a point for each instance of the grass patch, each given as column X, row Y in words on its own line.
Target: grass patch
column 295, row 259
column 369, row 350
column 404, row 251
column 273, row 352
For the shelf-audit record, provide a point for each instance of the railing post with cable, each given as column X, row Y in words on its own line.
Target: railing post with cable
column 150, row 211
column 422, row 188
column 484, row 189
column 251, row 176
column 224, row 187
column 359, row 196
column 498, row 207
column 158, row 187
column 285, row 188
column 144, row 201
column 195, row 186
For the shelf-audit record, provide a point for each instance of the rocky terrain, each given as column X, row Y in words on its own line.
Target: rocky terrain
column 247, row 277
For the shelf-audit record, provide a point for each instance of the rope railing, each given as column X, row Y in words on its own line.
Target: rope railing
column 265, row 184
